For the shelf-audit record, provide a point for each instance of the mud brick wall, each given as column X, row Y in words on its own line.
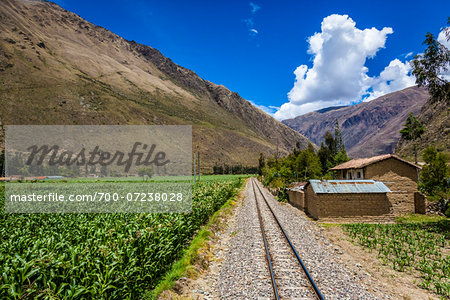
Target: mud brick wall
column 311, row 205
column 402, row 203
column 400, row 178
column 297, row 199
column 382, row 168
column 343, row 205
column 402, row 192
column 359, row 219
column 347, row 205
column 420, row 203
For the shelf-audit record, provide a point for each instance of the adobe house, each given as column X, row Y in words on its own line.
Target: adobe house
column 399, row 175
column 347, row 198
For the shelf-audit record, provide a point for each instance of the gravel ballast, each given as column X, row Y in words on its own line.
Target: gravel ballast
column 243, row 273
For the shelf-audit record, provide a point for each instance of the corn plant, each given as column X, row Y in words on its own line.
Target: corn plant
column 410, row 246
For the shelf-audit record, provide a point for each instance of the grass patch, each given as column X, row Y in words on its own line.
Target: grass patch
column 181, row 266
column 329, row 225
column 185, row 266
column 418, row 218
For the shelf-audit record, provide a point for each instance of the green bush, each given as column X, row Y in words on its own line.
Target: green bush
column 433, row 177
column 282, row 195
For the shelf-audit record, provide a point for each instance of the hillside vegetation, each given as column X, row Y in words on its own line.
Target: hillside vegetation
column 436, row 119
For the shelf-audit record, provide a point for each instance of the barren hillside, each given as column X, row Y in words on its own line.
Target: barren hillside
column 57, row 68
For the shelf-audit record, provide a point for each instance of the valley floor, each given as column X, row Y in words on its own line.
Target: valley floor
column 236, row 267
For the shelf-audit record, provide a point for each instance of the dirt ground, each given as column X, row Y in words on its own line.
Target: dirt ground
column 398, row 285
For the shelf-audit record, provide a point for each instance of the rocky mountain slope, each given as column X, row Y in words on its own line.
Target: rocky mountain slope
column 57, row 68
column 369, row 128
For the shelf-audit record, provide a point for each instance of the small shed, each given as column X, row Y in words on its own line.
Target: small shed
column 346, row 198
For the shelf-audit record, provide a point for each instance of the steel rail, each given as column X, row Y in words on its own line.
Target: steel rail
column 316, row 289
column 268, row 258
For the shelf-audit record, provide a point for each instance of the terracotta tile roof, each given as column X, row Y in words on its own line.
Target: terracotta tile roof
column 362, row 162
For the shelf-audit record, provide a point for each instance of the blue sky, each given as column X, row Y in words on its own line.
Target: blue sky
column 254, row 47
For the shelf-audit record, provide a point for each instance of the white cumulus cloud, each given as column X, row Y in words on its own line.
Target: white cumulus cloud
column 339, row 75
column 396, row 76
column 442, row 38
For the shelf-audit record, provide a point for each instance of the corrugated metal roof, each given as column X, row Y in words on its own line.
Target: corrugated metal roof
column 348, row 186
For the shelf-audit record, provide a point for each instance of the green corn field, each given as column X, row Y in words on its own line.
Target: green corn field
column 98, row 256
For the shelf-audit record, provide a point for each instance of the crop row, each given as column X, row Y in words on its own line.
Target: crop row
column 409, row 247
column 100, row 256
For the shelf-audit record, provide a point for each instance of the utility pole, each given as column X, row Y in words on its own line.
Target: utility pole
column 195, row 164
column 198, row 165
column 276, row 156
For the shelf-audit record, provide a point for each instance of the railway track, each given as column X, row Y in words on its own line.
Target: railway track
column 289, row 276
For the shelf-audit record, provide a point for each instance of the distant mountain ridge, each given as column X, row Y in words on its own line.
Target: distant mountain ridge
column 368, row 128
column 324, row 110
column 57, row 68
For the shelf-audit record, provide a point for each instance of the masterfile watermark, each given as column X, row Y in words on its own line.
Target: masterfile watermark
column 58, row 169
column 53, row 155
